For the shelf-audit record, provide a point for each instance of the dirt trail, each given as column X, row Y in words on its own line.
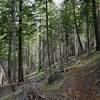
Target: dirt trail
column 81, row 82
column 80, row 87
column 77, row 85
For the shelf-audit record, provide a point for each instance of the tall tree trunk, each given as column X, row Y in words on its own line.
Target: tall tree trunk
column 76, row 44
column 43, row 55
column 47, row 34
column 40, row 49
column 20, row 66
column 60, row 53
column 10, row 43
column 9, row 55
column 97, row 34
column 39, row 53
column 77, row 30
column 28, row 57
column 66, row 41
column 87, row 29
column 14, row 38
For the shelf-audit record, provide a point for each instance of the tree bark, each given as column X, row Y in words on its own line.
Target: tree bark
column 42, row 53
column 87, row 29
column 9, row 55
column 97, row 34
column 10, row 35
column 20, row 67
column 39, row 54
column 14, row 38
column 28, row 57
column 47, row 34
column 66, row 41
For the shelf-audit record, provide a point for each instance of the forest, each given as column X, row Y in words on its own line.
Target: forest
column 49, row 49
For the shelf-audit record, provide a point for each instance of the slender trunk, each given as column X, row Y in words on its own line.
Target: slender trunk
column 97, row 34
column 15, row 65
column 77, row 30
column 43, row 55
column 87, row 30
column 39, row 49
column 14, row 38
column 66, row 41
column 76, row 44
column 60, row 55
column 10, row 44
column 47, row 33
column 20, row 67
column 9, row 55
column 39, row 54
column 52, row 56
column 28, row 57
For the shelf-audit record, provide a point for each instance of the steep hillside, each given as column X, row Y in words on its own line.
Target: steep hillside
column 80, row 81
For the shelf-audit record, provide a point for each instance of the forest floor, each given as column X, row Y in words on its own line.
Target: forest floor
column 80, row 81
